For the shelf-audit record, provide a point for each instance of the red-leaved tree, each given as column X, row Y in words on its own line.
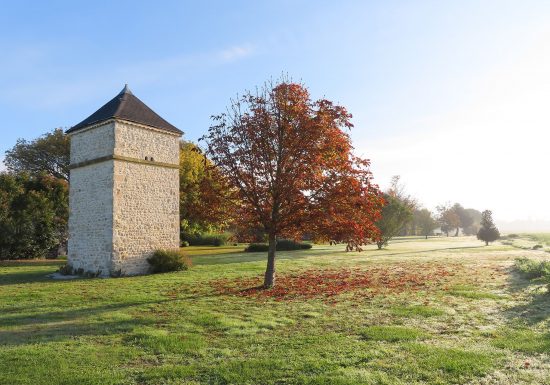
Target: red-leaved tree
column 290, row 163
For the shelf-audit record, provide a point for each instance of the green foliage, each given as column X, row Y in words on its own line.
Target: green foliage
column 394, row 216
column 33, row 215
column 282, row 245
column 290, row 244
column 476, row 219
column 202, row 207
column 488, row 232
column 185, row 244
column 465, row 219
column 208, row 239
column 456, row 217
column 163, row 261
column 532, row 269
column 257, row 247
column 48, row 154
column 424, row 221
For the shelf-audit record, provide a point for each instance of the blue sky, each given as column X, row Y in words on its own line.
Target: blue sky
column 438, row 89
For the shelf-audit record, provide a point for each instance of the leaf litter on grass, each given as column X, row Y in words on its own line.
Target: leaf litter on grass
column 328, row 283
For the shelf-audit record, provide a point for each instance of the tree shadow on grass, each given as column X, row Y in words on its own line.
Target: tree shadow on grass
column 533, row 312
column 536, row 308
column 37, row 317
column 63, row 325
column 69, row 330
column 39, row 274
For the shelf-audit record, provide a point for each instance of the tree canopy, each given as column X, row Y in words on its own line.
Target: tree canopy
column 291, row 166
column 33, row 215
column 488, row 231
column 425, row 222
column 394, row 216
column 48, row 154
column 204, row 205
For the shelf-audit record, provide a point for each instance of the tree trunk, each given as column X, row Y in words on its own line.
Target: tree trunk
column 486, row 243
column 269, row 279
column 426, row 236
column 457, row 230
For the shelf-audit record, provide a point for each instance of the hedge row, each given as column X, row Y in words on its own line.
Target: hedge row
column 282, row 245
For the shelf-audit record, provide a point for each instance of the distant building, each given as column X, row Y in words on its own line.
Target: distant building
column 124, row 187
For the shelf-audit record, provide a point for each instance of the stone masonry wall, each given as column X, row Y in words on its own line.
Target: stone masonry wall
column 146, row 197
column 134, row 141
column 122, row 210
column 91, row 217
column 91, row 200
column 94, row 143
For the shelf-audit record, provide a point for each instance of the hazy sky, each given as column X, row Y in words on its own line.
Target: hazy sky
column 452, row 96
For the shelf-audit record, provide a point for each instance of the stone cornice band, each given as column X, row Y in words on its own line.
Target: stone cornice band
column 124, row 159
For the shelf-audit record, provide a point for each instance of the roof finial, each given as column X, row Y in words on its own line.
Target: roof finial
column 125, row 90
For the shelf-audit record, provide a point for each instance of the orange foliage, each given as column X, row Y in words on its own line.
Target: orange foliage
column 289, row 161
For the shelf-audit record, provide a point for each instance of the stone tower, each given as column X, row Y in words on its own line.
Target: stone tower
column 124, row 187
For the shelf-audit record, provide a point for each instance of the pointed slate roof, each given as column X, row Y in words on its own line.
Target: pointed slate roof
column 126, row 106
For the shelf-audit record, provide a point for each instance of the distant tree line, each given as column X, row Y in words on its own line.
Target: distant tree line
column 403, row 216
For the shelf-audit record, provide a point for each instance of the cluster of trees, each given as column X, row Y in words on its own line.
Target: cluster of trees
column 455, row 217
column 403, row 216
column 33, row 215
column 34, row 198
column 277, row 164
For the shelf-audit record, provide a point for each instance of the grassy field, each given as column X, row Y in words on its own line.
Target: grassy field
column 529, row 241
column 437, row 311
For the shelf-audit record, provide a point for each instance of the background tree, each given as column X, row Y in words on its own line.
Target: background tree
column 488, row 232
column 291, row 166
column 395, row 214
column 48, row 154
column 476, row 220
column 204, row 205
column 397, row 189
column 33, row 216
column 425, row 222
column 447, row 219
column 464, row 218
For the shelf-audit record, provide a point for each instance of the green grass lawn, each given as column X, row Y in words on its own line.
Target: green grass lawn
column 437, row 311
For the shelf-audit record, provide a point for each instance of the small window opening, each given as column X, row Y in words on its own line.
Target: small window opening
column 146, row 158
column 152, row 159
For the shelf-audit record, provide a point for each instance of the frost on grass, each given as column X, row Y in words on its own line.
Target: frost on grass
column 328, row 283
